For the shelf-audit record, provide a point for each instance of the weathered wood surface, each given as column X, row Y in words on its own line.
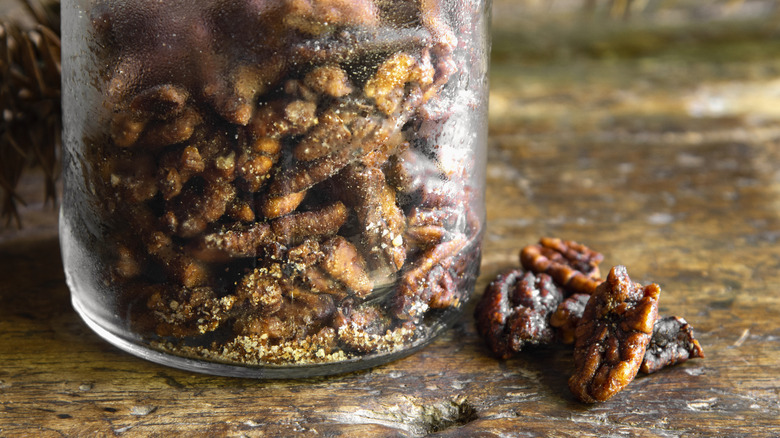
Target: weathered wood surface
column 668, row 164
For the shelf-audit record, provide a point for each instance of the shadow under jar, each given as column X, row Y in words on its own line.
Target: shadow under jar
column 273, row 189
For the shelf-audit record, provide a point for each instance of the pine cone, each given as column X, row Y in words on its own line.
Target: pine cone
column 30, row 110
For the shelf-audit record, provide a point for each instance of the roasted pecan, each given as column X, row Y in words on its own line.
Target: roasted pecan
column 297, row 227
column 571, row 265
column 387, row 86
column 367, row 328
column 330, row 80
column 160, row 102
column 316, row 16
column 190, row 213
column 132, row 176
column 672, row 343
column 262, row 289
column 351, row 44
column 343, row 262
column 177, row 129
column 612, row 336
column 186, row 312
column 255, row 160
column 417, row 287
column 514, row 311
column 273, row 207
column 246, row 240
column 180, row 267
column 176, row 167
column 381, row 220
column 568, row 315
column 330, row 135
column 299, row 315
column 364, row 135
column 236, row 241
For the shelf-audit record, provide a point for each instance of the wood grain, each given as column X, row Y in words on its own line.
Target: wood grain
column 669, row 165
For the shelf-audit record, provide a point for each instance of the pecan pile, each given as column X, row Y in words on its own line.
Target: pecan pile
column 272, row 176
column 559, row 297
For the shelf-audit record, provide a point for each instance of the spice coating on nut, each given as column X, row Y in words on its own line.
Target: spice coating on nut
column 514, row 312
column 573, row 266
column 673, row 342
column 612, row 336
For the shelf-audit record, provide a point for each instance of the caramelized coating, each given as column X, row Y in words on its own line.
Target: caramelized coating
column 514, row 312
column 330, row 80
column 255, row 161
column 176, row 167
column 381, row 220
column 612, row 336
column 568, row 315
column 134, row 182
column 415, row 291
column 177, row 129
column 237, row 241
column 345, row 264
column 262, row 289
column 160, row 102
column 190, row 213
column 273, row 207
column 365, row 135
column 187, row 312
column 297, row 227
column 367, row 328
column 386, row 87
column 572, row 265
column 246, row 240
column 426, row 227
column 316, row 16
column 331, row 134
column 300, row 314
column 672, row 343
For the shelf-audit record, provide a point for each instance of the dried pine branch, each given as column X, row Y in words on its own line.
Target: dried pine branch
column 30, row 126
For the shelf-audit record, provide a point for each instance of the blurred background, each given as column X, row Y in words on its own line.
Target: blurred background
column 569, row 66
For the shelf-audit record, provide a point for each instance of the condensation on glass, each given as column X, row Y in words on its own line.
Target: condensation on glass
column 273, row 188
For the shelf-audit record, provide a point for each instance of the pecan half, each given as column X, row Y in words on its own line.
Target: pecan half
column 573, row 266
column 612, row 336
column 568, row 315
column 417, row 287
column 381, row 220
column 672, row 343
column 514, row 311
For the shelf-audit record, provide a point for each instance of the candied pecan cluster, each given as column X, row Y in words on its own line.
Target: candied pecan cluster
column 560, row 297
column 272, row 177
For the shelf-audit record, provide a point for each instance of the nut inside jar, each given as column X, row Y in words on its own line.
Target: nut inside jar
column 275, row 180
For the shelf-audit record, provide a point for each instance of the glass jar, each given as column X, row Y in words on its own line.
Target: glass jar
column 273, row 189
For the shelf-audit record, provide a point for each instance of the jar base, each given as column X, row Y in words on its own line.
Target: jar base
column 270, row 371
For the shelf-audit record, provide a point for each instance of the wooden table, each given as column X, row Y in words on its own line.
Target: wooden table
column 665, row 158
